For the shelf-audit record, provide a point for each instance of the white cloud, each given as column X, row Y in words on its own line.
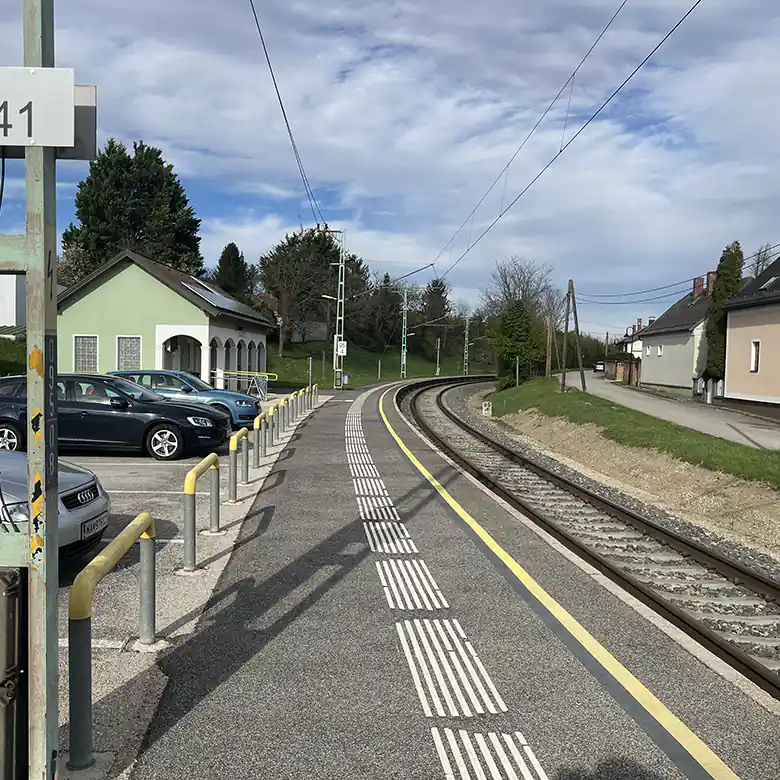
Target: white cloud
column 405, row 112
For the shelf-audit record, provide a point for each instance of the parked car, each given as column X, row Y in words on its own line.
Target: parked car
column 84, row 506
column 112, row 413
column 598, row 367
column 180, row 386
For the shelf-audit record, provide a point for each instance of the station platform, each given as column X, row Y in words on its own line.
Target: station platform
column 381, row 616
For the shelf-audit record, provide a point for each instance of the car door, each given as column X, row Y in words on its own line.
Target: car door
column 175, row 388
column 101, row 424
column 68, row 414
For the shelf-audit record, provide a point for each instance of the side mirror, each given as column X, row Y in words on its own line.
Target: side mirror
column 186, row 389
column 120, row 403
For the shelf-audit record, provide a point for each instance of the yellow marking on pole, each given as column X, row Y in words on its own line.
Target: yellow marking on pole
column 35, row 360
column 191, row 479
column 35, row 421
column 698, row 750
column 234, row 439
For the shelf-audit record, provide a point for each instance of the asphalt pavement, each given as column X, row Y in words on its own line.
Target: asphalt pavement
column 715, row 421
column 364, row 628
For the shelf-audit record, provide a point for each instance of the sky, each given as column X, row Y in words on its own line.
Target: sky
column 405, row 113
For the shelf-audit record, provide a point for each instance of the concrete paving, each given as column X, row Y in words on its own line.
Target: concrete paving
column 724, row 423
column 358, row 633
column 137, row 483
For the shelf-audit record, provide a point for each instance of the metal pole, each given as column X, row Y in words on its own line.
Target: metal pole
column 214, row 499
column 310, row 360
column 79, row 695
column 264, row 437
column 189, row 532
column 256, row 443
column 404, row 314
column 245, row 460
column 438, row 350
column 233, row 472
column 466, row 349
column 548, row 360
column 565, row 343
column 379, row 369
column 577, row 334
column 148, row 620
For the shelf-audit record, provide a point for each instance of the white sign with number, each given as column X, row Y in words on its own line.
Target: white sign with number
column 342, row 349
column 37, row 107
column 487, row 408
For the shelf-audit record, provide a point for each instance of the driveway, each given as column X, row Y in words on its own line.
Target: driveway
column 708, row 419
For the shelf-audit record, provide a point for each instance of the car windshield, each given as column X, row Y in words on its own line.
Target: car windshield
column 135, row 391
column 196, row 382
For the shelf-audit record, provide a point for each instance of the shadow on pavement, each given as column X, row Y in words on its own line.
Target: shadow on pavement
column 612, row 769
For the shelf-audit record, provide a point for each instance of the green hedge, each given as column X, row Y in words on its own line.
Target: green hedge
column 12, row 357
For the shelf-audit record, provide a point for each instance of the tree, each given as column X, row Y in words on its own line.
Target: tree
column 233, row 274
column 518, row 336
column 761, row 259
column 727, row 284
column 131, row 202
column 516, row 279
column 297, row 272
column 436, row 309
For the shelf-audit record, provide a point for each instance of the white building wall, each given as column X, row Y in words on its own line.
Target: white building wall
column 676, row 364
column 222, row 333
column 9, row 299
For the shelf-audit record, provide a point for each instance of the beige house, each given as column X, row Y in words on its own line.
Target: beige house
column 753, row 345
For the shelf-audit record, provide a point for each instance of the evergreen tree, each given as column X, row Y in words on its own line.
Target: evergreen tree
column 727, row 284
column 131, row 202
column 517, row 336
column 233, row 274
column 436, row 309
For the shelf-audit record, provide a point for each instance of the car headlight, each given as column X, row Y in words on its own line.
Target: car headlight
column 245, row 403
column 15, row 514
column 201, row 422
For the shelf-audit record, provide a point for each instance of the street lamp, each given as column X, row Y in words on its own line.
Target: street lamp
column 630, row 331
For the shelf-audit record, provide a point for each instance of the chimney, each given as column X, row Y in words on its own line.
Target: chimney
column 651, row 321
column 711, row 276
column 698, row 286
column 639, row 324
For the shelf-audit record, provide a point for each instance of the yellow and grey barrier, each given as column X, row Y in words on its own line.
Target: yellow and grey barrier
column 82, row 595
column 316, row 389
column 282, row 415
column 294, row 400
column 211, row 464
column 239, row 436
column 260, row 427
column 271, row 425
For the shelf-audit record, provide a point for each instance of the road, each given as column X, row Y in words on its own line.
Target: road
column 723, row 423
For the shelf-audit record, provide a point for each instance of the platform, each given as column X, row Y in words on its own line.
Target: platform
column 371, row 624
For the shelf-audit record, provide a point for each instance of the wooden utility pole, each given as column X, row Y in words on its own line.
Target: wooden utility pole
column 548, row 362
column 565, row 339
column 606, row 346
column 577, row 333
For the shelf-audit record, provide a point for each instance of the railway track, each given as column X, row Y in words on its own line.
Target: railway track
column 725, row 606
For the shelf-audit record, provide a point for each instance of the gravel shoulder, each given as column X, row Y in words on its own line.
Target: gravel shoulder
column 738, row 518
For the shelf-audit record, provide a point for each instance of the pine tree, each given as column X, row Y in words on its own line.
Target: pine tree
column 517, row 336
column 233, row 274
column 131, row 202
column 436, row 308
column 727, row 284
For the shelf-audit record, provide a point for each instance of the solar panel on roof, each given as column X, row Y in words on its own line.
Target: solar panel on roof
column 221, row 301
column 770, row 284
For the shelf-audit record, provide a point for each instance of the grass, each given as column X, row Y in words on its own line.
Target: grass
column 634, row 429
column 360, row 363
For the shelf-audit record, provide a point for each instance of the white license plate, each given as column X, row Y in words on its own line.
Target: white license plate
column 94, row 526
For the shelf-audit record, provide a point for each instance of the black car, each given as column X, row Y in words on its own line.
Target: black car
column 110, row 413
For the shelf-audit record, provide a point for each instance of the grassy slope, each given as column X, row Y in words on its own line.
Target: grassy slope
column 360, row 363
column 635, row 429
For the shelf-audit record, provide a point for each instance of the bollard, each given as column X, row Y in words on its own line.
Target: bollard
column 316, row 394
column 209, row 463
column 264, row 437
column 245, row 460
column 233, row 464
column 294, row 406
column 256, row 440
column 271, row 425
column 82, row 595
column 281, row 418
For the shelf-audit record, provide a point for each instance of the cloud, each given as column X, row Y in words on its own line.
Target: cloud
column 404, row 114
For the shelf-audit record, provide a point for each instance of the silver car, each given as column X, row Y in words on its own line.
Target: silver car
column 84, row 505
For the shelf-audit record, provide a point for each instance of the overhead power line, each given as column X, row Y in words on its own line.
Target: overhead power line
column 315, row 208
column 533, row 129
column 579, row 132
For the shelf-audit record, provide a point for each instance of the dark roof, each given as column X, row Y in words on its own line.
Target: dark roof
column 205, row 295
column 15, row 332
column 764, row 289
column 682, row 316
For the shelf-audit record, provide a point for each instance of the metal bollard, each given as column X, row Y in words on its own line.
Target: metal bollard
column 264, row 437
column 209, row 463
column 214, row 498
column 80, row 693
column 147, row 630
column 245, row 460
column 271, row 425
column 294, row 406
column 233, row 470
column 281, row 417
column 256, row 440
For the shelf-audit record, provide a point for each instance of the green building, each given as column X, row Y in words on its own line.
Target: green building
column 133, row 313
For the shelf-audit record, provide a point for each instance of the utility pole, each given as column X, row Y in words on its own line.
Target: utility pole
column 466, row 349
column 565, row 340
column 438, row 350
column 40, row 122
column 606, row 346
column 404, row 312
column 339, row 345
column 577, row 333
column 548, row 361
column 517, row 370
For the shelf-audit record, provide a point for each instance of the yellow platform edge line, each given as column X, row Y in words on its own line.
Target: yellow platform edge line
column 698, row 750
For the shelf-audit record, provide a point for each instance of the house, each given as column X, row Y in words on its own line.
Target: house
column 674, row 345
column 134, row 313
column 632, row 343
column 752, row 376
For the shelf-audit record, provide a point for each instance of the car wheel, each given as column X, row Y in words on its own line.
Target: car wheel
column 10, row 438
column 165, row 442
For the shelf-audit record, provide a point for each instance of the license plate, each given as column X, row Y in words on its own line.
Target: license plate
column 94, row 526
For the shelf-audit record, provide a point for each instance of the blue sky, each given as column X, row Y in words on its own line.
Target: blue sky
column 405, row 112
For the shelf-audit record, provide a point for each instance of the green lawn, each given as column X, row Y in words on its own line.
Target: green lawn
column 360, row 363
column 635, row 429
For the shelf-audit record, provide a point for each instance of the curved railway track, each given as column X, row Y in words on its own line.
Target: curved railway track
column 733, row 611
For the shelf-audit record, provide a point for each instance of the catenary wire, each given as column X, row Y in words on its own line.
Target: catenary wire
column 532, row 131
column 579, row 132
column 315, row 208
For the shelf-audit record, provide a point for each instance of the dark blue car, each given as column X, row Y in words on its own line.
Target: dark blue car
column 181, row 386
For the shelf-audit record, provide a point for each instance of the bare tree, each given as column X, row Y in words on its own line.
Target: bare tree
column 519, row 279
column 761, row 260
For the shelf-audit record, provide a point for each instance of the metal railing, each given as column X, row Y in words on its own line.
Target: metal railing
column 211, row 464
column 243, row 437
column 82, row 595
